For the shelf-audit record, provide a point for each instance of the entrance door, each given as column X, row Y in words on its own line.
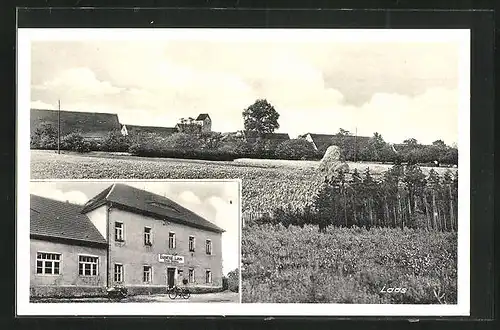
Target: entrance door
column 170, row 277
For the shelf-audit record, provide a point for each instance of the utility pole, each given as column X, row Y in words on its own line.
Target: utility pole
column 59, row 126
column 355, row 143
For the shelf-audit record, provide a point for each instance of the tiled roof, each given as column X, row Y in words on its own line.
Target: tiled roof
column 87, row 123
column 268, row 136
column 150, row 204
column 326, row 140
column 56, row 219
column 162, row 131
column 202, row 116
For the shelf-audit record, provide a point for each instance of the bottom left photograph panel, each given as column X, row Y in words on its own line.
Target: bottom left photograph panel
column 135, row 241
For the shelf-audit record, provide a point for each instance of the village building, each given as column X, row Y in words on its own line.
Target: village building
column 202, row 123
column 321, row 142
column 91, row 125
column 136, row 130
column 129, row 237
column 68, row 255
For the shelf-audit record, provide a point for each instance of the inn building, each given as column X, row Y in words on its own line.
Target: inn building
column 123, row 236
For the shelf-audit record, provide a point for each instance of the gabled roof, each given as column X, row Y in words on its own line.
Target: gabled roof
column 268, row 136
column 326, row 140
column 150, row 204
column 202, row 116
column 162, row 131
column 87, row 123
column 53, row 219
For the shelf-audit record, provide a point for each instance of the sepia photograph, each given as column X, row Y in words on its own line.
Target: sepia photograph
column 134, row 241
column 352, row 147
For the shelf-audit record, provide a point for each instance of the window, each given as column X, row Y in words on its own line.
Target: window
column 208, row 246
column 208, row 276
column 48, row 263
column 87, row 265
column 191, row 275
column 147, row 236
column 118, row 273
column 191, row 243
column 147, row 274
column 171, row 240
column 119, row 231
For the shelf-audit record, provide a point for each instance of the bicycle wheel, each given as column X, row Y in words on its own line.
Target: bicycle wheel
column 172, row 294
column 186, row 294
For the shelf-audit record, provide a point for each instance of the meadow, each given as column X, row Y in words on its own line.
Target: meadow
column 348, row 265
column 267, row 184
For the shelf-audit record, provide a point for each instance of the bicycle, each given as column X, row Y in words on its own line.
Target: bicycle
column 175, row 292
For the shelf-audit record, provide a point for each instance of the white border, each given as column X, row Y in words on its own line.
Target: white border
column 25, row 36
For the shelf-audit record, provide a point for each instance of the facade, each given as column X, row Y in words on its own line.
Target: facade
column 148, row 242
column 67, row 252
column 206, row 122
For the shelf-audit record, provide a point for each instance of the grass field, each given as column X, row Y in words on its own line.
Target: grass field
column 267, row 184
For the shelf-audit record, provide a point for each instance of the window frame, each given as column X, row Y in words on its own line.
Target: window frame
column 122, row 229
column 191, row 274
column 150, row 274
column 52, row 260
column 173, row 240
column 192, row 242
column 122, row 273
column 149, row 241
column 96, row 265
column 208, row 243
column 208, row 276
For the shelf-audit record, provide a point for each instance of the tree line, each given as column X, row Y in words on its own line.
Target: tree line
column 256, row 140
column 403, row 197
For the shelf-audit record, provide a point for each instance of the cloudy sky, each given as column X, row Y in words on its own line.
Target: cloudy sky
column 218, row 202
column 400, row 89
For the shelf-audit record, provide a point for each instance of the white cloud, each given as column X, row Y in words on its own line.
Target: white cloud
column 400, row 87
column 80, row 81
column 74, row 197
column 190, row 198
column 42, row 105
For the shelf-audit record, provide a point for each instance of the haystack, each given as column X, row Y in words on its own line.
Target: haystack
column 331, row 163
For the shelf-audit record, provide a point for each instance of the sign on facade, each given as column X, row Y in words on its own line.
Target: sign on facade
column 171, row 258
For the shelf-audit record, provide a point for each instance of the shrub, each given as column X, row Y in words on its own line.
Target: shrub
column 115, row 142
column 75, row 142
column 181, row 141
column 295, row 149
column 233, row 279
column 44, row 137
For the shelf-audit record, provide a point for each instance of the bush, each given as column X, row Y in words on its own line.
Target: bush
column 75, row 142
column 233, row 279
column 115, row 142
column 44, row 137
column 296, row 149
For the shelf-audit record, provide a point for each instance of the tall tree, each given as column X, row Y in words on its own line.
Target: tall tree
column 261, row 117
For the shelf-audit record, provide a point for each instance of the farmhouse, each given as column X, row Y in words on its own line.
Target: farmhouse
column 135, row 130
column 323, row 141
column 122, row 236
column 202, row 123
column 67, row 252
column 90, row 125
